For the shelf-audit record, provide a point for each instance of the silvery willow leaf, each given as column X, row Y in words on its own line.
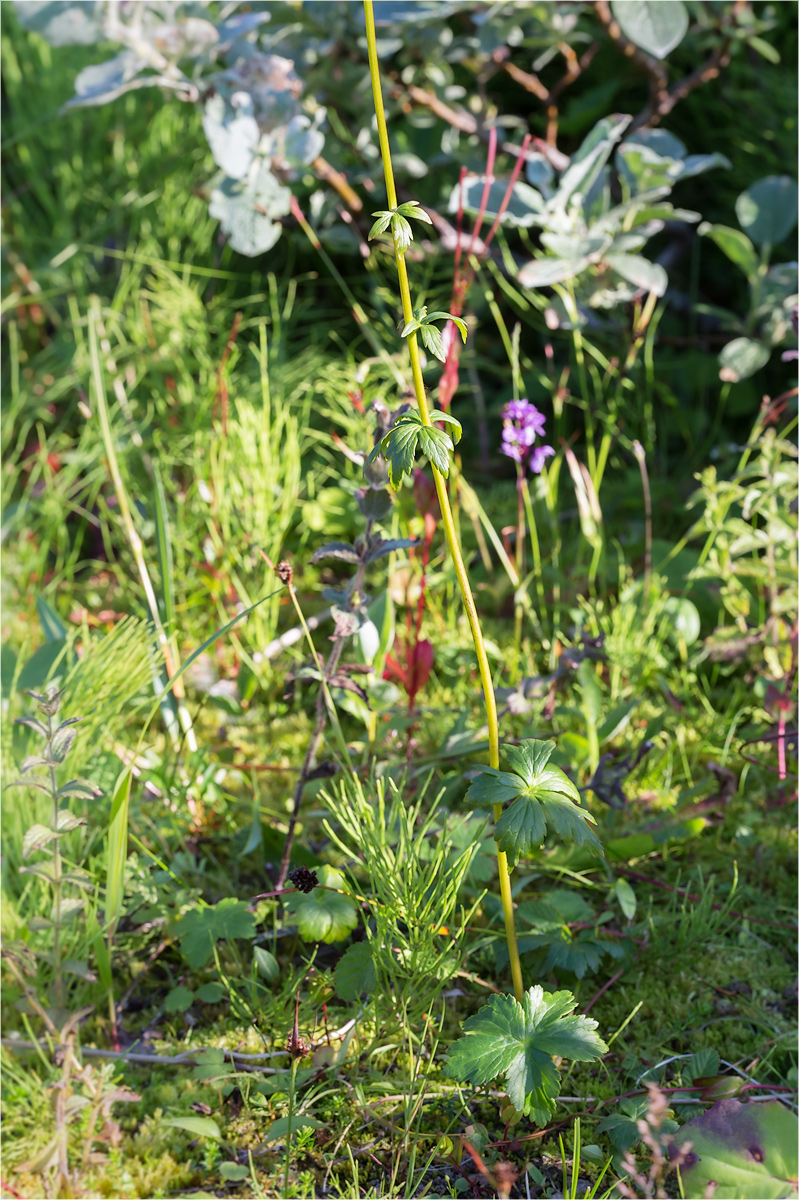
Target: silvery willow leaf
column 232, row 135
column 248, row 210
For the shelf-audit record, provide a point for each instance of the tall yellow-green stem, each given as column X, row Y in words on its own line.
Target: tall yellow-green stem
column 443, row 500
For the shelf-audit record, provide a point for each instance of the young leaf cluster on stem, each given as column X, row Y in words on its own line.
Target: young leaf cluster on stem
column 519, row 1035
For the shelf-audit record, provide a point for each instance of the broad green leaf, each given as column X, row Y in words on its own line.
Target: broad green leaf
column 53, row 627
column 590, row 691
column 201, row 928
column 324, row 915
column 518, row 1042
column 741, row 358
column 626, row 898
column 234, row 1172
column 744, row 1151
column 523, row 826
column 411, row 327
column 178, row 999
column 436, row 445
column 41, row 665
column 341, row 550
column 211, row 993
column 280, row 1127
column 61, row 743
column 682, row 620
column 657, row 26
column 196, row 1126
column 355, row 972
column 67, row 820
column 735, row 245
column 493, row 787
column 266, row 964
column 767, row 210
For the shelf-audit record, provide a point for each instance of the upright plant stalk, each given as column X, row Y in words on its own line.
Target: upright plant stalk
column 443, row 500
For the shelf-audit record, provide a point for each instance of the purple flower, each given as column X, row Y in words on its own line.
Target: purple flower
column 523, row 423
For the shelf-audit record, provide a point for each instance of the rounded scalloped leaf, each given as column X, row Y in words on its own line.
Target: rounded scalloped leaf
column 324, row 915
column 741, row 1152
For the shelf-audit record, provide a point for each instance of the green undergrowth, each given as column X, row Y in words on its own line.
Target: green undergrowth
column 242, row 397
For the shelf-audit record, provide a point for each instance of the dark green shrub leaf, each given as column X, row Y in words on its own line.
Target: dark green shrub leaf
column 735, row 245
column 40, row 666
column 519, row 1041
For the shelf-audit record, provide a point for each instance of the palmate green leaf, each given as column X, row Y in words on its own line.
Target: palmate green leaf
column 457, row 428
column 431, row 340
column 403, row 234
column 448, row 316
column 399, row 447
column 381, row 224
column 411, row 209
column 542, row 797
column 436, row 445
column 518, row 1042
column 201, row 928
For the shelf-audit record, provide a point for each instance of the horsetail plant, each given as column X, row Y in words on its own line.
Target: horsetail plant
column 517, row 1036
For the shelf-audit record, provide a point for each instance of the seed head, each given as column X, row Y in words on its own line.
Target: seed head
column 303, row 879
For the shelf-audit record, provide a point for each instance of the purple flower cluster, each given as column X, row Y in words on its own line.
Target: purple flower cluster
column 523, row 423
